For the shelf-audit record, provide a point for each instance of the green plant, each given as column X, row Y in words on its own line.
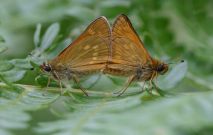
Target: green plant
column 168, row 28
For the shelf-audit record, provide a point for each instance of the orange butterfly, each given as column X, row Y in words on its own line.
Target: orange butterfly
column 128, row 56
column 86, row 55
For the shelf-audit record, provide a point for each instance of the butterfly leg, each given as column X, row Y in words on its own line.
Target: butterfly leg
column 150, row 84
column 77, row 82
column 48, row 82
column 93, row 83
column 130, row 80
column 60, row 85
column 153, row 85
column 158, row 89
column 59, row 81
column 142, row 90
column 149, row 89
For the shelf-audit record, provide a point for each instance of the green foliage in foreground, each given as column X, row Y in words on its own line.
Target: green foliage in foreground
column 169, row 29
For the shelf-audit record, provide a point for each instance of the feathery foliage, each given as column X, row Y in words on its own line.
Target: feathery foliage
column 169, row 29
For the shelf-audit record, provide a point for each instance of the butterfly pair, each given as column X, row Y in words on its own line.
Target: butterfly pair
column 100, row 48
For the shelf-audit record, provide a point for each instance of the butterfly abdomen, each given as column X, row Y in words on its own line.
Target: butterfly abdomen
column 117, row 71
column 144, row 73
column 89, row 72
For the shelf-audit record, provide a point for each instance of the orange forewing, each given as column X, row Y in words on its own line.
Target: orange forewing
column 127, row 50
column 126, row 45
column 89, row 51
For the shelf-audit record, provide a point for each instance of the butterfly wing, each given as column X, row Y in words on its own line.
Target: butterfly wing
column 90, row 50
column 127, row 49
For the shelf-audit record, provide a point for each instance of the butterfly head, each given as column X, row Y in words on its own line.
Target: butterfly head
column 46, row 67
column 162, row 68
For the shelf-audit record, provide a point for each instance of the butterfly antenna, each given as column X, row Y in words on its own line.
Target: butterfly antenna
column 179, row 61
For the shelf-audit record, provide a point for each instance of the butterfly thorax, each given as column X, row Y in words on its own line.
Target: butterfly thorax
column 58, row 71
column 151, row 70
column 144, row 73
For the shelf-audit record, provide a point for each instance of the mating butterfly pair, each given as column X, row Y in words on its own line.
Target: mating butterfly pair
column 100, row 48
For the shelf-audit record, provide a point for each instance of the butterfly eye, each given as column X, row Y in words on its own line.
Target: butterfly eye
column 47, row 68
column 160, row 68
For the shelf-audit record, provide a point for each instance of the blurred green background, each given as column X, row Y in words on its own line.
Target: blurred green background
column 171, row 30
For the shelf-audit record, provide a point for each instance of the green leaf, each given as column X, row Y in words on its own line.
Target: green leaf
column 13, row 75
column 41, row 80
column 5, row 66
column 81, row 13
column 8, row 83
column 60, row 46
column 15, row 69
column 49, row 36
column 171, row 29
column 21, row 63
column 2, row 40
column 171, row 79
column 37, row 35
column 14, row 107
column 3, row 48
column 130, row 115
column 112, row 3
